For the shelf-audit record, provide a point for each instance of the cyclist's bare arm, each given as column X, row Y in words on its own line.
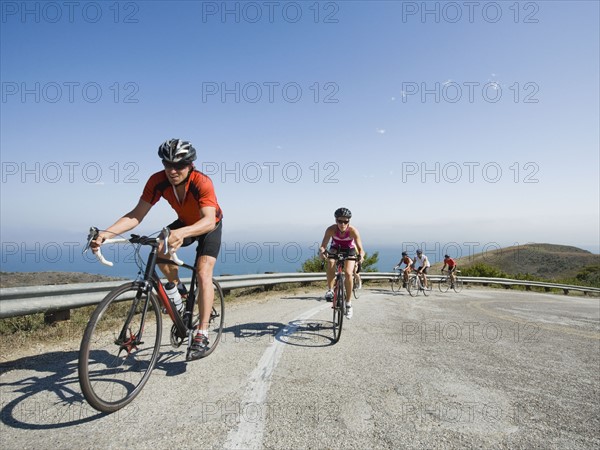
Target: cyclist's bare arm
column 129, row 221
column 358, row 242
column 326, row 238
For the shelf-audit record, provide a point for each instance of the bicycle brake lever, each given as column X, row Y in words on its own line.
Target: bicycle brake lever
column 91, row 236
column 172, row 254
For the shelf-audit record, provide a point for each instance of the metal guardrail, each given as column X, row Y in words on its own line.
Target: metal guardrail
column 21, row 301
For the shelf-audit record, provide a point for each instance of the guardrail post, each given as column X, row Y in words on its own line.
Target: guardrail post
column 51, row 317
column 566, row 291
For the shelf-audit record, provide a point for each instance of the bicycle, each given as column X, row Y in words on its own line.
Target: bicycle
column 121, row 342
column 339, row 293
column 397, row 280
column 416, row 284
column 445, row 284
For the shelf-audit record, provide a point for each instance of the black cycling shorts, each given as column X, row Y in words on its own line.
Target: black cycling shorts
column 209, row 244
column 342, row 251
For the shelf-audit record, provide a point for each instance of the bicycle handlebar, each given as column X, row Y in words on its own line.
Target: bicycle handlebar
column 135, row 239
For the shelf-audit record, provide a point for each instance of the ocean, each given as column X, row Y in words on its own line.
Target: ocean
column 234, row 259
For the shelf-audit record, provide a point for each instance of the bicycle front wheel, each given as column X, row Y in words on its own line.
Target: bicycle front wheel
column 120, row 347
column 338, row 310
column 444, row 284
column 413, row 286
column 458, row 285
column 396, row 283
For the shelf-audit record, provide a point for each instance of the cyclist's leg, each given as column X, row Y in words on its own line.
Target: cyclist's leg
column 425, row 270
column 206, row 294
column 208, row 250
column 349, row 282
column 330, row 271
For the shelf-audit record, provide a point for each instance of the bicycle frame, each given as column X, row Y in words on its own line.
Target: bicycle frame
column 151, row 280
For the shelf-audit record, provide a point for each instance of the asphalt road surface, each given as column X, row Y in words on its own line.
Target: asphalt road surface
column 483, row 368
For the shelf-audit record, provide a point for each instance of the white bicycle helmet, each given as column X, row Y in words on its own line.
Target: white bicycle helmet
column 176, row 151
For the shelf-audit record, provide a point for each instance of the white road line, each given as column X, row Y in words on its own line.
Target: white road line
column 249, row 432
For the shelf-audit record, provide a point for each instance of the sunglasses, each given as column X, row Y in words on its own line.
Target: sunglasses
column 341, row 221
column 176, row 166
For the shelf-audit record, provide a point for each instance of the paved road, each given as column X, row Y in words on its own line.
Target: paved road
column 477, row 369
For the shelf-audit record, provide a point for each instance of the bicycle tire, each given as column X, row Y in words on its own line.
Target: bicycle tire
column 217, row 319
column 458, row 285
column 355, row 289
column 113, row 371
column 413, row 286
column 444, row 284
column 426, row 290
column 396, row 282
column 338, row 310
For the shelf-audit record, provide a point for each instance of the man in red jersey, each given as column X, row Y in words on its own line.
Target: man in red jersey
column 199, row 219
column 451, row 269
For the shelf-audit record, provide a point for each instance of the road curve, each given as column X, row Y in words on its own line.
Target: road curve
column 485, row 367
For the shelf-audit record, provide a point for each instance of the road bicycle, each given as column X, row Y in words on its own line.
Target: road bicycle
column 416, row 284
column 339, row 292
column 121, row 342
column 397, row 280
column 445, row 284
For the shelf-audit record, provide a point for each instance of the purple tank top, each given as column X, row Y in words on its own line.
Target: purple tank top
column 340, row 241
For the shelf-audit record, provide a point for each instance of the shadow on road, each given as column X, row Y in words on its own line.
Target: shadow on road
column 49, row 399
column 307, row 333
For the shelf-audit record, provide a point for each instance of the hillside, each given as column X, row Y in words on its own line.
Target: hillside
column 548, row 261
column 15, row 279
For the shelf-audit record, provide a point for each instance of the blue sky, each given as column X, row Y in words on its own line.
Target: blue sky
column 432, row 121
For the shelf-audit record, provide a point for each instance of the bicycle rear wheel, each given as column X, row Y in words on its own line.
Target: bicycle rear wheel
column 355, row 289
column 426, row 290
column 217, row 319
column 120, row 347
column 458, row 285
column 338, row 310
column 413, row 286
column 444, row 284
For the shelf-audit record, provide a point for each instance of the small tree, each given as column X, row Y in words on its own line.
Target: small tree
column 314, row 264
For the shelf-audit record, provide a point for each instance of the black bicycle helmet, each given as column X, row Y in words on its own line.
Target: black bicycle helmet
column 177, row 151
column 404, row 254
column 342, row 212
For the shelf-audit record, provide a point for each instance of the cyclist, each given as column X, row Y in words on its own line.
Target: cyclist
column 421, row 266
column 345, row 239
column 451, row 269
column 407, row 266
column 199, row 219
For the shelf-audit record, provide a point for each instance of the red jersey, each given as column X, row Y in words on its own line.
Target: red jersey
column 199, row 192
column 449, row 262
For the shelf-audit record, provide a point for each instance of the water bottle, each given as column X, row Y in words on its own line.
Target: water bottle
column 174, row 295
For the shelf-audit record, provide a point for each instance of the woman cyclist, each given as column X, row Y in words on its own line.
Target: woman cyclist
column 407, row 267
column 345, row 239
